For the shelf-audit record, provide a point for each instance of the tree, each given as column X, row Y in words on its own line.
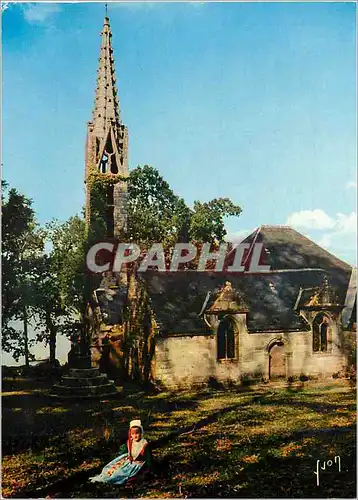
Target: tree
column 61, row 294
column 207, row 219
column 22, row 248
column 156, row 214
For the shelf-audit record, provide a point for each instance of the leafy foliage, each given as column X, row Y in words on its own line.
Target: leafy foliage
column 61, row 295
column 156, row 214
column 207, row 219
column 22, row 248
column 98, row 185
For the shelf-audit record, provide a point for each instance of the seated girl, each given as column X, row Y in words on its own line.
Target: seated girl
column 133, row 462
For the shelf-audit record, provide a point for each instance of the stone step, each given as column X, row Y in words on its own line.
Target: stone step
column 82, row 381
column 93, row 390
column 86, row 397
column 84, row 372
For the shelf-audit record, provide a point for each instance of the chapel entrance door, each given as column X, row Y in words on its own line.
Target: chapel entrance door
column 277, row 361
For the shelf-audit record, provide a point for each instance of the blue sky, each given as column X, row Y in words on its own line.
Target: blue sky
column 251, row 101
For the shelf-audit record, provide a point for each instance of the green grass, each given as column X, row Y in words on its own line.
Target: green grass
column 260, row 442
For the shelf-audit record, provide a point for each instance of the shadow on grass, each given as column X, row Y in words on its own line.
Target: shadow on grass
column 47, row 421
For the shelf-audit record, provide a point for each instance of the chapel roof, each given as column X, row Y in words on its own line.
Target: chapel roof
column 177, row 298
column 289, row 249
column 296, row 263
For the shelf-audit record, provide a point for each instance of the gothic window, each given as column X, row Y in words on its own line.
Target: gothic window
column 226, row 339
column 104, row 164
column 114, row 168
column 320, row 333
column 109, row 149
column 109, row 158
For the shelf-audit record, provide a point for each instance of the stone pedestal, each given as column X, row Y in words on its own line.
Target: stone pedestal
column 84, row 383
column 81, row 362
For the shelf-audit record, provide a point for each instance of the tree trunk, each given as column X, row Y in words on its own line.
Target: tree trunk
column 52, row 338
column 52, row 347
column 26, row 339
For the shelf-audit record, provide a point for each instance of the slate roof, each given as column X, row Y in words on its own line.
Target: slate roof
column 289, row 249
column 177, row 298
column 296, row 262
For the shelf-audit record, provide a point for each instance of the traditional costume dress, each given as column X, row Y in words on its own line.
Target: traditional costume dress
column 134, row 458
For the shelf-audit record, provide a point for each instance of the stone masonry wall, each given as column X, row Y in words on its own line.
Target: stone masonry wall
column 191, row 359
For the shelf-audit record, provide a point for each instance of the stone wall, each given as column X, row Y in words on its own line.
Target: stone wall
column 188, row 359
column 120, row 208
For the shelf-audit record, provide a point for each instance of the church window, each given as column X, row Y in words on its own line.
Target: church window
column 114, row 168
column 104, row 164
column 109, row 148
column 320, row 333
column 226, row 340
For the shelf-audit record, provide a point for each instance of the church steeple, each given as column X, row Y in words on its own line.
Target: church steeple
column 106, row 105
column 107, row 143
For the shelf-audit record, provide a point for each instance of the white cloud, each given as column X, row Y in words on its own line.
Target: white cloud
column 311, row 219
column 351, row 185
column 325, row 241
column 342, row 243
column 346, row 223
column 318, row 219
column 238, row 236
column 339, row 232
column 38, row 13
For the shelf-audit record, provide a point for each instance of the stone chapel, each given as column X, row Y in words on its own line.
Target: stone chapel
column 185, row 328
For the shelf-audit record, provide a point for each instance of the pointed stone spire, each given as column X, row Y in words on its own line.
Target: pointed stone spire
column 107, row 142
column 106, row 105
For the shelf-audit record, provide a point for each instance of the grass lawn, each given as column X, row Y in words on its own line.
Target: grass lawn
column 258, row 442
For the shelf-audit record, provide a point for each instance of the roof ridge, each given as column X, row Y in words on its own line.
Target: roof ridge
column 281, row 226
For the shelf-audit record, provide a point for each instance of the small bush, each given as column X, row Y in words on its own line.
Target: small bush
column 230, row 384
column 246, row 380
column 352, row 373
column 303, row 378
column 213, row 383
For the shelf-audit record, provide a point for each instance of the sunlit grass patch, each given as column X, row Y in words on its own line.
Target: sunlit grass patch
column 52, row 409
column 15, row 393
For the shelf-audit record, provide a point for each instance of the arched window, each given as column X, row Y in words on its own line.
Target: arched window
column 226, row 339
column 320, row 333
column 104, row 164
